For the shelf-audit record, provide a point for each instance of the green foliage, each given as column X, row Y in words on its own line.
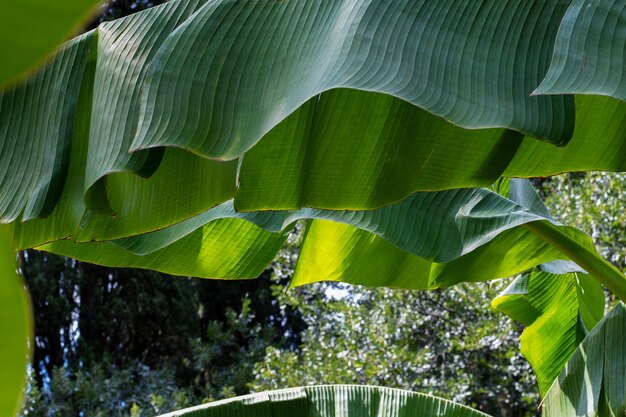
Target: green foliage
column 218, row 364
column 116, row 120
column 107, row 339
column 410, row 244
column 445, row 343
column 135, row 390
column 211, row 79
column 558, row 310
column 595, row 203
column 393, row 338
column 593, row 382
column 16, row 323
column 32, row 30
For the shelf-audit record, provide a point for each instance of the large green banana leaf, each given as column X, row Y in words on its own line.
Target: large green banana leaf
column 441, row 237
column 282, row 182
column 593, row 382
column 68, row 207
column 344, row 253
column 394, row 148
column 351, row 104
column 16, row 326
column 332, row 401
column 558, row 310
column 417, row 228
column 31, row 30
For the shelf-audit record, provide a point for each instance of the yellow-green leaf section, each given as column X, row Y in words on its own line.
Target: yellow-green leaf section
column 16, row 327
column 558, row 310
column 31, row 30
column 593, row 381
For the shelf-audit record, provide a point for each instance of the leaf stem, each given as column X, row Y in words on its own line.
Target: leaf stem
column 591, row 261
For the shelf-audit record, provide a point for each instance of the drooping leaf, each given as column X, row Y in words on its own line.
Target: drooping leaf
column 140, row 205
column 223, row 249
column 31, row 30
column 86, row 138
column 367, row 150
column 282, row 183
column 349, row 149
column 395, row 148
column 183, row 186
column 474, row 217
column 590, row 51
column 36, row 145
column 330, row 183
column 417, row 225
column 343, row 253
column 125, row 49
column 593, row 382
column 117, row 91
column 232, row 71
column 435, row 247
column 70, row 208
column 16, row 326
column 332, row 401
column 558, row 310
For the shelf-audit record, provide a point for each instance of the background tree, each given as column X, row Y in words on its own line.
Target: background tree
column 594, row 202
column 106, row 339
column 448, row 343
column 145, row 343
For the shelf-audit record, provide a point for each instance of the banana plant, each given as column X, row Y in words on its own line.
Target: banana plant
column 188, row 138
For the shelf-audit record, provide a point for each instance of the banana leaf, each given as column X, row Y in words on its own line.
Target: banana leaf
column 332, row 401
